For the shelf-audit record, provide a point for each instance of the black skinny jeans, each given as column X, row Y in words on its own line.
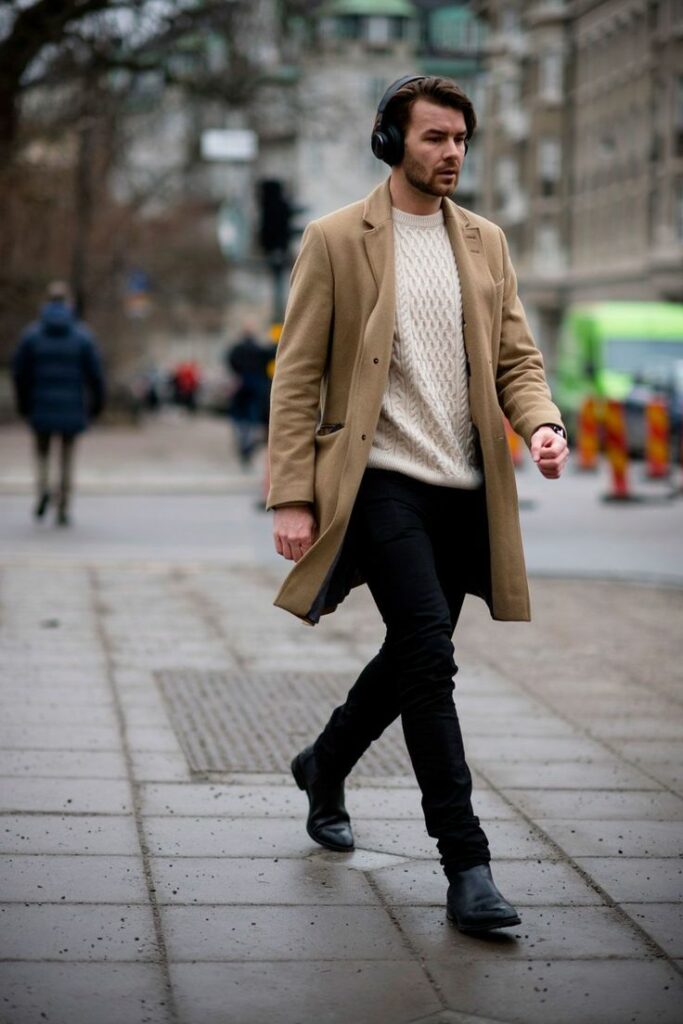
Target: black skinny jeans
column 418, row 546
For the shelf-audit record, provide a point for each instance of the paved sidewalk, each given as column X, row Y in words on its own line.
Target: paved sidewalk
column 151, row 871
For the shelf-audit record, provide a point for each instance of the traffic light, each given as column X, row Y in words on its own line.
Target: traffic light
column 275, row 215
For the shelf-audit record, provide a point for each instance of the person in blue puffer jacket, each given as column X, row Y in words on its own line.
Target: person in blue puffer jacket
column 59, row 387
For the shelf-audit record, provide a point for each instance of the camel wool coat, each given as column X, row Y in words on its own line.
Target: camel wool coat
column 331, row 373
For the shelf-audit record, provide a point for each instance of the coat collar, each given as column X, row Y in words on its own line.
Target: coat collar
column 377, row 210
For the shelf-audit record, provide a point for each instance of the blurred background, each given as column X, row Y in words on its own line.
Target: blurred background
column 163, row 156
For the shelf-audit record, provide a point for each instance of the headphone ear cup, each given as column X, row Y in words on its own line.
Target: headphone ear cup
column 393, row 153
column 379, row 143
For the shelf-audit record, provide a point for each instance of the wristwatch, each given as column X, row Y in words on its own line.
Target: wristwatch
column 557, row 428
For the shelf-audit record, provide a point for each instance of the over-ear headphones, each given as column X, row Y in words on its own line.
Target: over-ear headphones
column 387, row 139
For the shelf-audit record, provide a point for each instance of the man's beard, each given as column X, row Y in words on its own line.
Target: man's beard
column 417, row 177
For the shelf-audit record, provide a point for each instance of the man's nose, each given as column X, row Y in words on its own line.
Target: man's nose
column 452, row 149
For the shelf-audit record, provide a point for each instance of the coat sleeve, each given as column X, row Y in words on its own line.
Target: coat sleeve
column 299, row 369
column 523, row 392
column 22, row 375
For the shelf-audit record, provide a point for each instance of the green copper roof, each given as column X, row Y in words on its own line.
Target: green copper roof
column 370, row 8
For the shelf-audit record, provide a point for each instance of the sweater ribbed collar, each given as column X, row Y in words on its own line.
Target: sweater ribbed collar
column 417, row 220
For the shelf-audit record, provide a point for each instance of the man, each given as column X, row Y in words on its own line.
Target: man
column 59, row 386
column 403, row 347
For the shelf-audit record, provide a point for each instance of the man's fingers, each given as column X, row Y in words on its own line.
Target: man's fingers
column 292, row 548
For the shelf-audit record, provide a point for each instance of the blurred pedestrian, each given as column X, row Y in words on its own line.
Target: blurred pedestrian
column 404, row 343
column 186, row 383
column 249, row 359
column 59, row 387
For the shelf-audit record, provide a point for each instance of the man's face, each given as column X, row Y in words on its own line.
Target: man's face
column 434, row 148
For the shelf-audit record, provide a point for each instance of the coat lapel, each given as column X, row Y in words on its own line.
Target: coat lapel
column 469, row 257
column 378, row 239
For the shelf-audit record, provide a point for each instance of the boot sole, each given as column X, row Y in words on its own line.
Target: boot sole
column 506, row 922
column 299, row 779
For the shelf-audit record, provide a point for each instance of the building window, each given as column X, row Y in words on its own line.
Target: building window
column 678, row 213
column 378, row 31
column 549, row 165
column 550, row 75
column 547, row 248
column 509, row 94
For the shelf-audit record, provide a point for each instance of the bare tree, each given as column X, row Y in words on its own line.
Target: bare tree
column 68, row 69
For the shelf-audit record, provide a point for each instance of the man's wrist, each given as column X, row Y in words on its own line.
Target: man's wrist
column 557, row 427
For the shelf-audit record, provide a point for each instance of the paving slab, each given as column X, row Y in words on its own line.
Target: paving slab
column 525, row 883
column 60, row 736
column 507, row 839
column 498, row 725
column 223, row 933
column 297, row 992
column 63, row 764
column 20, row 712
column 68, row 833
column 83, row 697
column 634, row 879
column 285, row 800
column 159, row 766
column 235, row 880
column 156, row 738
column 601, row 775
column 599, row 804
column 75, row 796
column 546, row 933
column 563, row 991
column 612, row 838
column 647, row 752
column 56, row 878
column 79, row 993
column 670, row 775
column 76, row 931
column 227, row 837
column 663, row 921
column 640, row 727
column 535, row 748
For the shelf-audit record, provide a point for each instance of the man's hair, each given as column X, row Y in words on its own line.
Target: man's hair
column 444, row 92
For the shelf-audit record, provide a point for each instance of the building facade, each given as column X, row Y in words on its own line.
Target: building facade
column 584, row 149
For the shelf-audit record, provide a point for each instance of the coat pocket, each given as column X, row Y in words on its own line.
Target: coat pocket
column 328, row 428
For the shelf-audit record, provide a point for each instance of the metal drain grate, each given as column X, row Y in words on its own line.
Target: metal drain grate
column 241, row 721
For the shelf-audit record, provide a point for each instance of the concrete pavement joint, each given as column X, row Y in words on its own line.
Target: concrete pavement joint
column 582, row 730
column 658, row 952
column 100, row 628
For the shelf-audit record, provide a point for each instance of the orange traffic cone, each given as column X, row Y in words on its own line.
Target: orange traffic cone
column 515, row 444
column 657, row 439
column 588, row 434
column 616, row 450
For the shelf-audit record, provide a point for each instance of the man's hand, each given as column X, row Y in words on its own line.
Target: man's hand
column 294, row 530
column 549, row 451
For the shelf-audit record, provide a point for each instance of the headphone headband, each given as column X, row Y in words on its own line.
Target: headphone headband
column 394, row 88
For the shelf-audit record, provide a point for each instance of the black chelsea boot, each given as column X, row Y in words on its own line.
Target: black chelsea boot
column 328, row 822
column 474, row 904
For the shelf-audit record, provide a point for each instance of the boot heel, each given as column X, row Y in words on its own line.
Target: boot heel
column 296, row 772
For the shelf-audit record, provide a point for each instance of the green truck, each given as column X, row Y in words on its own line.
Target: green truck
column 628, row 351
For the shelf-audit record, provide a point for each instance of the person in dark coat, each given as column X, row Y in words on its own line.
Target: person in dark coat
column 59, row 386
column 249, row 359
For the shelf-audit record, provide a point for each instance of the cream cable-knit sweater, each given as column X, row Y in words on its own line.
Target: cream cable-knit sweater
column 424, row 428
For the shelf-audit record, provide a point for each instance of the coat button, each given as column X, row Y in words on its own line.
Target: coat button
column 375, row 360
column 362, row 437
